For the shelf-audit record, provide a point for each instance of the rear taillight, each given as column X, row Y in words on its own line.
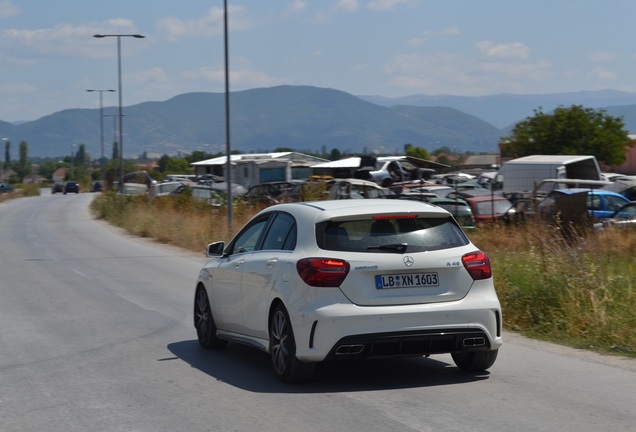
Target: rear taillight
column 322, row 272
column 478, row 265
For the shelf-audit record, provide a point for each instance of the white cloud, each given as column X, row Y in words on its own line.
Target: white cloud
column 418, row 41
column 16, row 88
column 602, row 57
column 153, row 75
column 602, row 74
column 8, row 9
column 241, row 75
column 210, row 24
column 510, row 50
column 452, row 74
column 347, row 5
column 297, row 6
column 451, row 31
column 64, row 39
column 385, row 5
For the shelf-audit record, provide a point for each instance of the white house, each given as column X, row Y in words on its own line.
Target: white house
column 251, row 169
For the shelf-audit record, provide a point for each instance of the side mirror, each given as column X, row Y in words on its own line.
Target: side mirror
column 215, row 249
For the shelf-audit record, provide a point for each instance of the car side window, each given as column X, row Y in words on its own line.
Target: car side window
column 248, row 239
column 281, row 234
column 594, row 202
column 614, row 203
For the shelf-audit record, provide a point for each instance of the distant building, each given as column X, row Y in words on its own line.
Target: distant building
column 59, row 175
column 450, row 159
column 629, row 167
column 34, row 179
column 148, row 166
column 251, row 169
column 6, row 174
column 484, row 162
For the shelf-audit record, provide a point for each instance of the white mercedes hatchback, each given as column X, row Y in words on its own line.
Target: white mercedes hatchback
column 350, row 279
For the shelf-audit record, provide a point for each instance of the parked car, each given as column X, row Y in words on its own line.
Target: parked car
column 352, row 188
column 97, row 186
column 57, row 187
column 5, row 187
column 350, row 279
column 71, row 187
column 487, row 205
column 624, row 187
column 598, row 203
column 491, row 207
column 274, row 192
column 624, row 217
column 170, row 188
column 459, row 208
column 438, row 190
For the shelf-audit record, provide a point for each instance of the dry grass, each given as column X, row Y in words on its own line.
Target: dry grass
column 20, row 191
column 180, row 221
column 577, row 289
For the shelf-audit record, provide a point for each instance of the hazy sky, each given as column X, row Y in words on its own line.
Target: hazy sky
column 49, row 57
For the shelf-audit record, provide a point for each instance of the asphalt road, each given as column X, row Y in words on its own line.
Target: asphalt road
column 96, row 335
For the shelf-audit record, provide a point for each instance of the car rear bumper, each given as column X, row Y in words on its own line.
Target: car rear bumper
column 340, row 331
column 410, row 343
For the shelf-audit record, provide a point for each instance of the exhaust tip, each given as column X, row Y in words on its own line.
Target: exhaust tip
column 474, row 342
column 349, row 349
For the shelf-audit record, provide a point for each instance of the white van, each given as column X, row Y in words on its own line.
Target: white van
column 522, row 175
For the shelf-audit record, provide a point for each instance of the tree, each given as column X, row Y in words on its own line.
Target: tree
column 47, row 168
column 163, row 162
column 178, row 166
column 443, row 159
column 24, row 166
column 444, row 149
column 570, row 131
column 418, row 152
column 335, row 154
column 199, row 155
column 81, row 158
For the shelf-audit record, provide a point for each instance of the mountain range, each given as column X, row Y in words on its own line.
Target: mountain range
column 303, row 118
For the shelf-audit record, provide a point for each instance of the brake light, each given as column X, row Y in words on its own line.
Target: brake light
column 478, row 265
column 322, row 272
column 402, row 216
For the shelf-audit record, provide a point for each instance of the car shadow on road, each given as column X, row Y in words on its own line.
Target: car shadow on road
column 251, row 369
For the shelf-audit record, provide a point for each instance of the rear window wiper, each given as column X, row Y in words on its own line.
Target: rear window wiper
column 396, row 247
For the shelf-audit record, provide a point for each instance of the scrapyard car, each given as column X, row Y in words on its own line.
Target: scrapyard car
column 350, row 279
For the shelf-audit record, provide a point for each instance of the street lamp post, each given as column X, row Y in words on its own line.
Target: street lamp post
column 101, row 124
column 4, row 141
column 114, row 116
column 228, row 175
column 72, row 162
column 121, row 114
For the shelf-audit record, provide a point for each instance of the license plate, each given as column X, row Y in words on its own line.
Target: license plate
column 410, row 280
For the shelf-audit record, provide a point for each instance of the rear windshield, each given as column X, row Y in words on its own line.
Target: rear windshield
column 495, row 207
column 390, row 235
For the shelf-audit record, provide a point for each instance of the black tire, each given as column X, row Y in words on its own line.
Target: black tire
column 282, row 348
column 476, row 361
column 204, row 322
